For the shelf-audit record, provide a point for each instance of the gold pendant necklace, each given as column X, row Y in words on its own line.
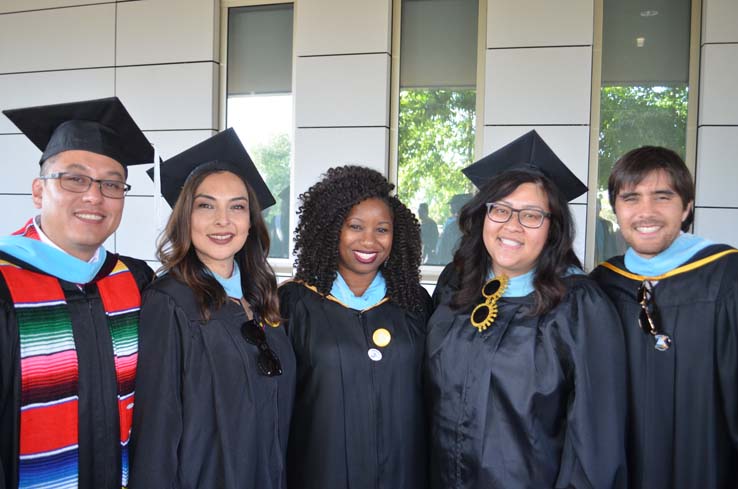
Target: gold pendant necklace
column 485, row 313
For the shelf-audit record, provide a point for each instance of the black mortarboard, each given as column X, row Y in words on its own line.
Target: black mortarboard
column 531, row 151
column 223, row 151
column 101, row 126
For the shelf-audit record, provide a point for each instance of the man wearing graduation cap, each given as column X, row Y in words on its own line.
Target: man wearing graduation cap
column 677, row 296
column 69, row 319
column 525, row 359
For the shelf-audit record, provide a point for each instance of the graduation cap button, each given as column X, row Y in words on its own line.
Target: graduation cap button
column 381, row 337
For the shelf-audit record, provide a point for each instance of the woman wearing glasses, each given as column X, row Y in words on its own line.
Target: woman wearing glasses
column 216, row 372
column 356, row 315
column 525, row 357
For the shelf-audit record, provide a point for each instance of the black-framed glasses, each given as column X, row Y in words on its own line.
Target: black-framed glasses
column 529, row 218
column 268, row 361
column 74, row 182
column 648, row 316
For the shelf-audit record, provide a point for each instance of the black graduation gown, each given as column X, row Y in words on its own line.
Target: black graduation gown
column 205, row 417
column 531, row 402
column 683, row 408
column 99, row 433
column 357, row 423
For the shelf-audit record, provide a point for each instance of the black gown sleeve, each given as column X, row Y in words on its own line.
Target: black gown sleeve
column 446, row 285
column 9, row 349
column 727, row 358
column 157, row 415
column 594, row 447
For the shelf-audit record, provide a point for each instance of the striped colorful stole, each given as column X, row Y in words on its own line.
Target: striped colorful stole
column 49, row 371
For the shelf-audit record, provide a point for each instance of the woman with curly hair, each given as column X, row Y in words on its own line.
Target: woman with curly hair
column 525, row 356
column 356, row 315
column 216, row 372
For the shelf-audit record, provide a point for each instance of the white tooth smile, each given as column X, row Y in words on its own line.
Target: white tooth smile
column 90, row 217
column 510, row 242
column 365, row 256
column 647, row 229
column 221, row 237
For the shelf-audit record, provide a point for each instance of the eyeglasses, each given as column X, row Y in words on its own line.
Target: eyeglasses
column 647, row 319
column 74, row 182
column 268, row 361
column 529, row 218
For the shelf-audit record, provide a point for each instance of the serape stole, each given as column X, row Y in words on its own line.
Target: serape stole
column 49, row 371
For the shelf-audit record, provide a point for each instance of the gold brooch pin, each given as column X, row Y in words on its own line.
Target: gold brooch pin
column 485, row 313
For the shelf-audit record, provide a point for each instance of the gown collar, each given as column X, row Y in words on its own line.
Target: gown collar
column 679, row 252
column 371, row 296
column 522, row 285
column 232, row 284
column 46, row 256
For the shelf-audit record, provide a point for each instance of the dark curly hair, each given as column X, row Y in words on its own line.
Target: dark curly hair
column 322, row 213
column 472, row 261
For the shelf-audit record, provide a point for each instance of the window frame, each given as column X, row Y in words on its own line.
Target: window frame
column 594, row 121
column 429, row 273
column 283, row 267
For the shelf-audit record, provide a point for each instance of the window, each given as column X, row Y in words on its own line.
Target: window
column 437, row 116
column 644, row 94
column 259, row 103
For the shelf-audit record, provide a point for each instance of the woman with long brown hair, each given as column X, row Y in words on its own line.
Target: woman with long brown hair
column 216, row 372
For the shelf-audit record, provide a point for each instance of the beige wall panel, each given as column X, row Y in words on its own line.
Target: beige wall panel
column 25, row 5
column 20, row 155
column 166, row 31
column 717, row 225
column 53, row 87
column 45, row 40
column 18, row 209
column 342, row 91
column 719, row 21
column 719, row 80
column 538, row 86
column 166, row 97
column 717, row 167
column 316, row 150
column 168, row 144
column 579, row 213
column 138, row 230
column 342, row 26
column 570, row 143
column 523, row 23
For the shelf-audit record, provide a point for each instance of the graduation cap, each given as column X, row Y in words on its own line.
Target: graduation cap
column 223, row 151
column 529, row 150
column 101, row 126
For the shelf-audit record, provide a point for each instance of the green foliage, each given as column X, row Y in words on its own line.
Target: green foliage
column 635, row 116
column 436, row 140
column 273, row 162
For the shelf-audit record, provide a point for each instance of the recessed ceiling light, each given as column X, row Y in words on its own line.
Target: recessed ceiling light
column 649, row 13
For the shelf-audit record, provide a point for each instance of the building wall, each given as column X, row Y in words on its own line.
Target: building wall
column 716, row 214
column 161, row 57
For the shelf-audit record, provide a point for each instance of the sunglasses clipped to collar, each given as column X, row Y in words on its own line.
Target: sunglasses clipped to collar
column 268, row 361
column 648, row 316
